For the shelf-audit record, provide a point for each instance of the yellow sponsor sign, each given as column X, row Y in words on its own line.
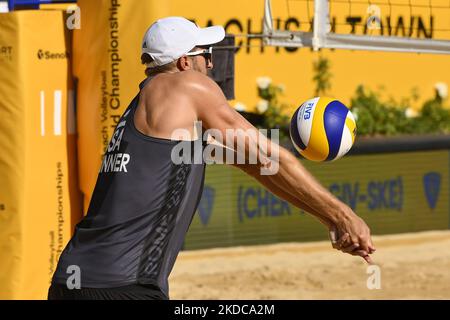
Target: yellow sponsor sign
column 393, row 193
column 39, row 201
column 398, row 73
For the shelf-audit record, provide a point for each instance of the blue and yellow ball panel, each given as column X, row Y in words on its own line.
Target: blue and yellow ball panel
column 326, row 133
column 334, row 121
column 295, row 135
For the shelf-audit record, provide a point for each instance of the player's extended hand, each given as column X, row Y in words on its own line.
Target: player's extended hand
column 357, row 230
column 342, row 241
column 343, row 244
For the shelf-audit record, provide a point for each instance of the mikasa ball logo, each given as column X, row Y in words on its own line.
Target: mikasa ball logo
column 47, row 55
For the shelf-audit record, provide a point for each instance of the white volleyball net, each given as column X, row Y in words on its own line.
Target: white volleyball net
column 421, row 26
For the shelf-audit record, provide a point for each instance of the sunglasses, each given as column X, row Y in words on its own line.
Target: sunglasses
column 207, row 53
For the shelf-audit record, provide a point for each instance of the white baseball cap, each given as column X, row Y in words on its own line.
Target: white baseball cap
column 170, row 38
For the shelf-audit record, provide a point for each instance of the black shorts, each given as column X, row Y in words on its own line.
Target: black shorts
column 130, row 292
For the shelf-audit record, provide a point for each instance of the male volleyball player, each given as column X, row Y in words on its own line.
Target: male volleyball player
column 143, row 202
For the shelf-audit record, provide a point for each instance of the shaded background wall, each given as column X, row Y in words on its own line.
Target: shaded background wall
column 393, row 193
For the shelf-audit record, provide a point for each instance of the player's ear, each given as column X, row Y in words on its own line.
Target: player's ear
column 184, row 63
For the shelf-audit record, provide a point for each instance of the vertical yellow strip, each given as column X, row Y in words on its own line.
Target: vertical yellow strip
column 318, row 134
column 351, row 125
column 12, row 139
column 108, row 68
column 37, row 159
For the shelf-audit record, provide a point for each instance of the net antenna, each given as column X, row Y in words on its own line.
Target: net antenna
column 322, row 37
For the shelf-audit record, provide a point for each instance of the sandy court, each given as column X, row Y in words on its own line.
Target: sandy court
column 413, row 266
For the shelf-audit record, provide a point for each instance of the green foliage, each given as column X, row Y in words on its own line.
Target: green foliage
column 275, row 116
column 434, row 118
column 322, row 76
column 374, row 115
column 378, row 117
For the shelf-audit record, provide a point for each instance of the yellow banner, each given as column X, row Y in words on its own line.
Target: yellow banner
column 39, row 201
column 107, row 65
column 107, row 59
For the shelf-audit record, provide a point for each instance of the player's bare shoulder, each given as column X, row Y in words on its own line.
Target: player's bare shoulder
column 197, row 82
column 188, row 80
column 165, row 87
column 201, row 89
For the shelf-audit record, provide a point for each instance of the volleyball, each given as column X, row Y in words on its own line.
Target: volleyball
column 323, row 129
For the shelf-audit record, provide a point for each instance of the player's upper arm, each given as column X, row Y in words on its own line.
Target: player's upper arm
column 212, row 107
column 214, row 111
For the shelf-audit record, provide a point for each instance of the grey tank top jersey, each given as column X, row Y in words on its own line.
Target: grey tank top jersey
column 139, row 213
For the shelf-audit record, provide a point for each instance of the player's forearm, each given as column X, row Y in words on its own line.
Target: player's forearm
column 284, row 194
column 301, row 185
column 291, row 176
